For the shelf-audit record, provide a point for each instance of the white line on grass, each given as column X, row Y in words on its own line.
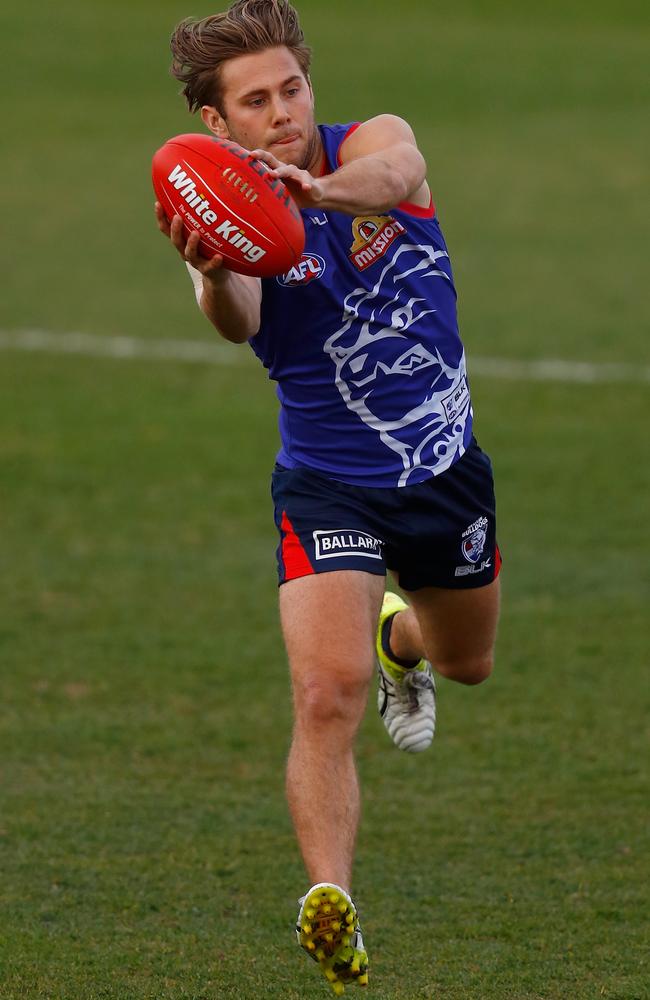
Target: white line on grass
column 123, row 348
column 205, row 352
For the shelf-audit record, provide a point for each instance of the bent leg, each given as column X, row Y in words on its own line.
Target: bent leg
column 328, row 622
column 454, row 629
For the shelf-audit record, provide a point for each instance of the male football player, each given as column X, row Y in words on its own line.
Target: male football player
column 378, row 467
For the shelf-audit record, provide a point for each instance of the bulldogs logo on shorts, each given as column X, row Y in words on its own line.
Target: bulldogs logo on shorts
column 474, row 539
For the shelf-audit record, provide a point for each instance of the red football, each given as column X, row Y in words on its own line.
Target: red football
column 227, row 196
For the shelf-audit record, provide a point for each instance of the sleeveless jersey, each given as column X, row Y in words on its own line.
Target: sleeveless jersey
column 362, row 339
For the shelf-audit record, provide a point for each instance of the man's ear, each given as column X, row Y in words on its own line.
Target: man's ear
column 212, row 119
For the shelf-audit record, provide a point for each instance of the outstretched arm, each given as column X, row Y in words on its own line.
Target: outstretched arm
column 381, row 166
column 230, row 301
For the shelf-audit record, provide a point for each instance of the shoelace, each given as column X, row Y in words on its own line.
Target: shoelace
column 414, row 682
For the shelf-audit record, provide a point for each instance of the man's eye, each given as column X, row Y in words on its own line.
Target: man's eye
column 257, row 102
column 292, row 92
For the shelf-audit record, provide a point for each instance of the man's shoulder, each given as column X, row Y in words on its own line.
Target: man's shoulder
column 381, row 131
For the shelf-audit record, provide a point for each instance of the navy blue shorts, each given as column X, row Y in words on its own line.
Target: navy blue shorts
column 439, row 533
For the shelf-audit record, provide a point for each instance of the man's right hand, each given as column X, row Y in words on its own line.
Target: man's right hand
column 189, row 248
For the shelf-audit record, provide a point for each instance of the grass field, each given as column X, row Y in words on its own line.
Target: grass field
column 145, row 850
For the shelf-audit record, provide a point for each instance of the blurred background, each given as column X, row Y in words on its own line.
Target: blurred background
column 145, row 717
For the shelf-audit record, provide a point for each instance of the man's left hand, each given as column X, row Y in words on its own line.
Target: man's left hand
column 307, row 191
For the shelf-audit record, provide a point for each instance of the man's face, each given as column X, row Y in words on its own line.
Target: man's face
column 268, row 104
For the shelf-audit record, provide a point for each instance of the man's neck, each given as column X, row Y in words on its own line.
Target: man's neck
column 314, row 155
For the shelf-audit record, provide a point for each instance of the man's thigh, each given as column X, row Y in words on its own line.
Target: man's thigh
column 458, row 628
column 329, row 622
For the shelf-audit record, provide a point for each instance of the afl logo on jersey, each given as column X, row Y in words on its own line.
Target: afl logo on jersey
column 310, row 267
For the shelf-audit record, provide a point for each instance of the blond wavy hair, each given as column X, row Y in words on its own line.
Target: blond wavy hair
column 201, row 47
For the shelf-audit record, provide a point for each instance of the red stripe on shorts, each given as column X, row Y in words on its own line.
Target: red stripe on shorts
column 498, row 562
column 295, row 559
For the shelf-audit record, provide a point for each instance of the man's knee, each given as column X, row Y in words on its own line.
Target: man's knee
column 470, row 670
column 330, row 697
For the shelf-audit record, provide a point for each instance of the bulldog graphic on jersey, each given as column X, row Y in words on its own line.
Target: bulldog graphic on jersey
column 390, row 373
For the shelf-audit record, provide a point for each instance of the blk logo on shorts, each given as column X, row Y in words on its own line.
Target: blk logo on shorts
column 334, row 544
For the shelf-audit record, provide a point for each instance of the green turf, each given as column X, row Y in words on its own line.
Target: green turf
column 145, row 850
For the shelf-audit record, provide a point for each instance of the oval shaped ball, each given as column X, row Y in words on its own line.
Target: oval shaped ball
column 229, row 198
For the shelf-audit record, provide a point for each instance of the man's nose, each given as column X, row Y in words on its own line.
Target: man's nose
column 280, row 112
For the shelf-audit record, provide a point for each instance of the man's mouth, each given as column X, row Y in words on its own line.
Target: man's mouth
column 286, row 140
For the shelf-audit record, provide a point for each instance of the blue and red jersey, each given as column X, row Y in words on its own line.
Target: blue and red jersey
column 362, row 338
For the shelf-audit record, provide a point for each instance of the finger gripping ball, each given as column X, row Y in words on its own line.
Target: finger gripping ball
column 229, row 198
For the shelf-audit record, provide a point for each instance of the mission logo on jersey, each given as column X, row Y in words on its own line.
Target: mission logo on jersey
column 373, row 235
